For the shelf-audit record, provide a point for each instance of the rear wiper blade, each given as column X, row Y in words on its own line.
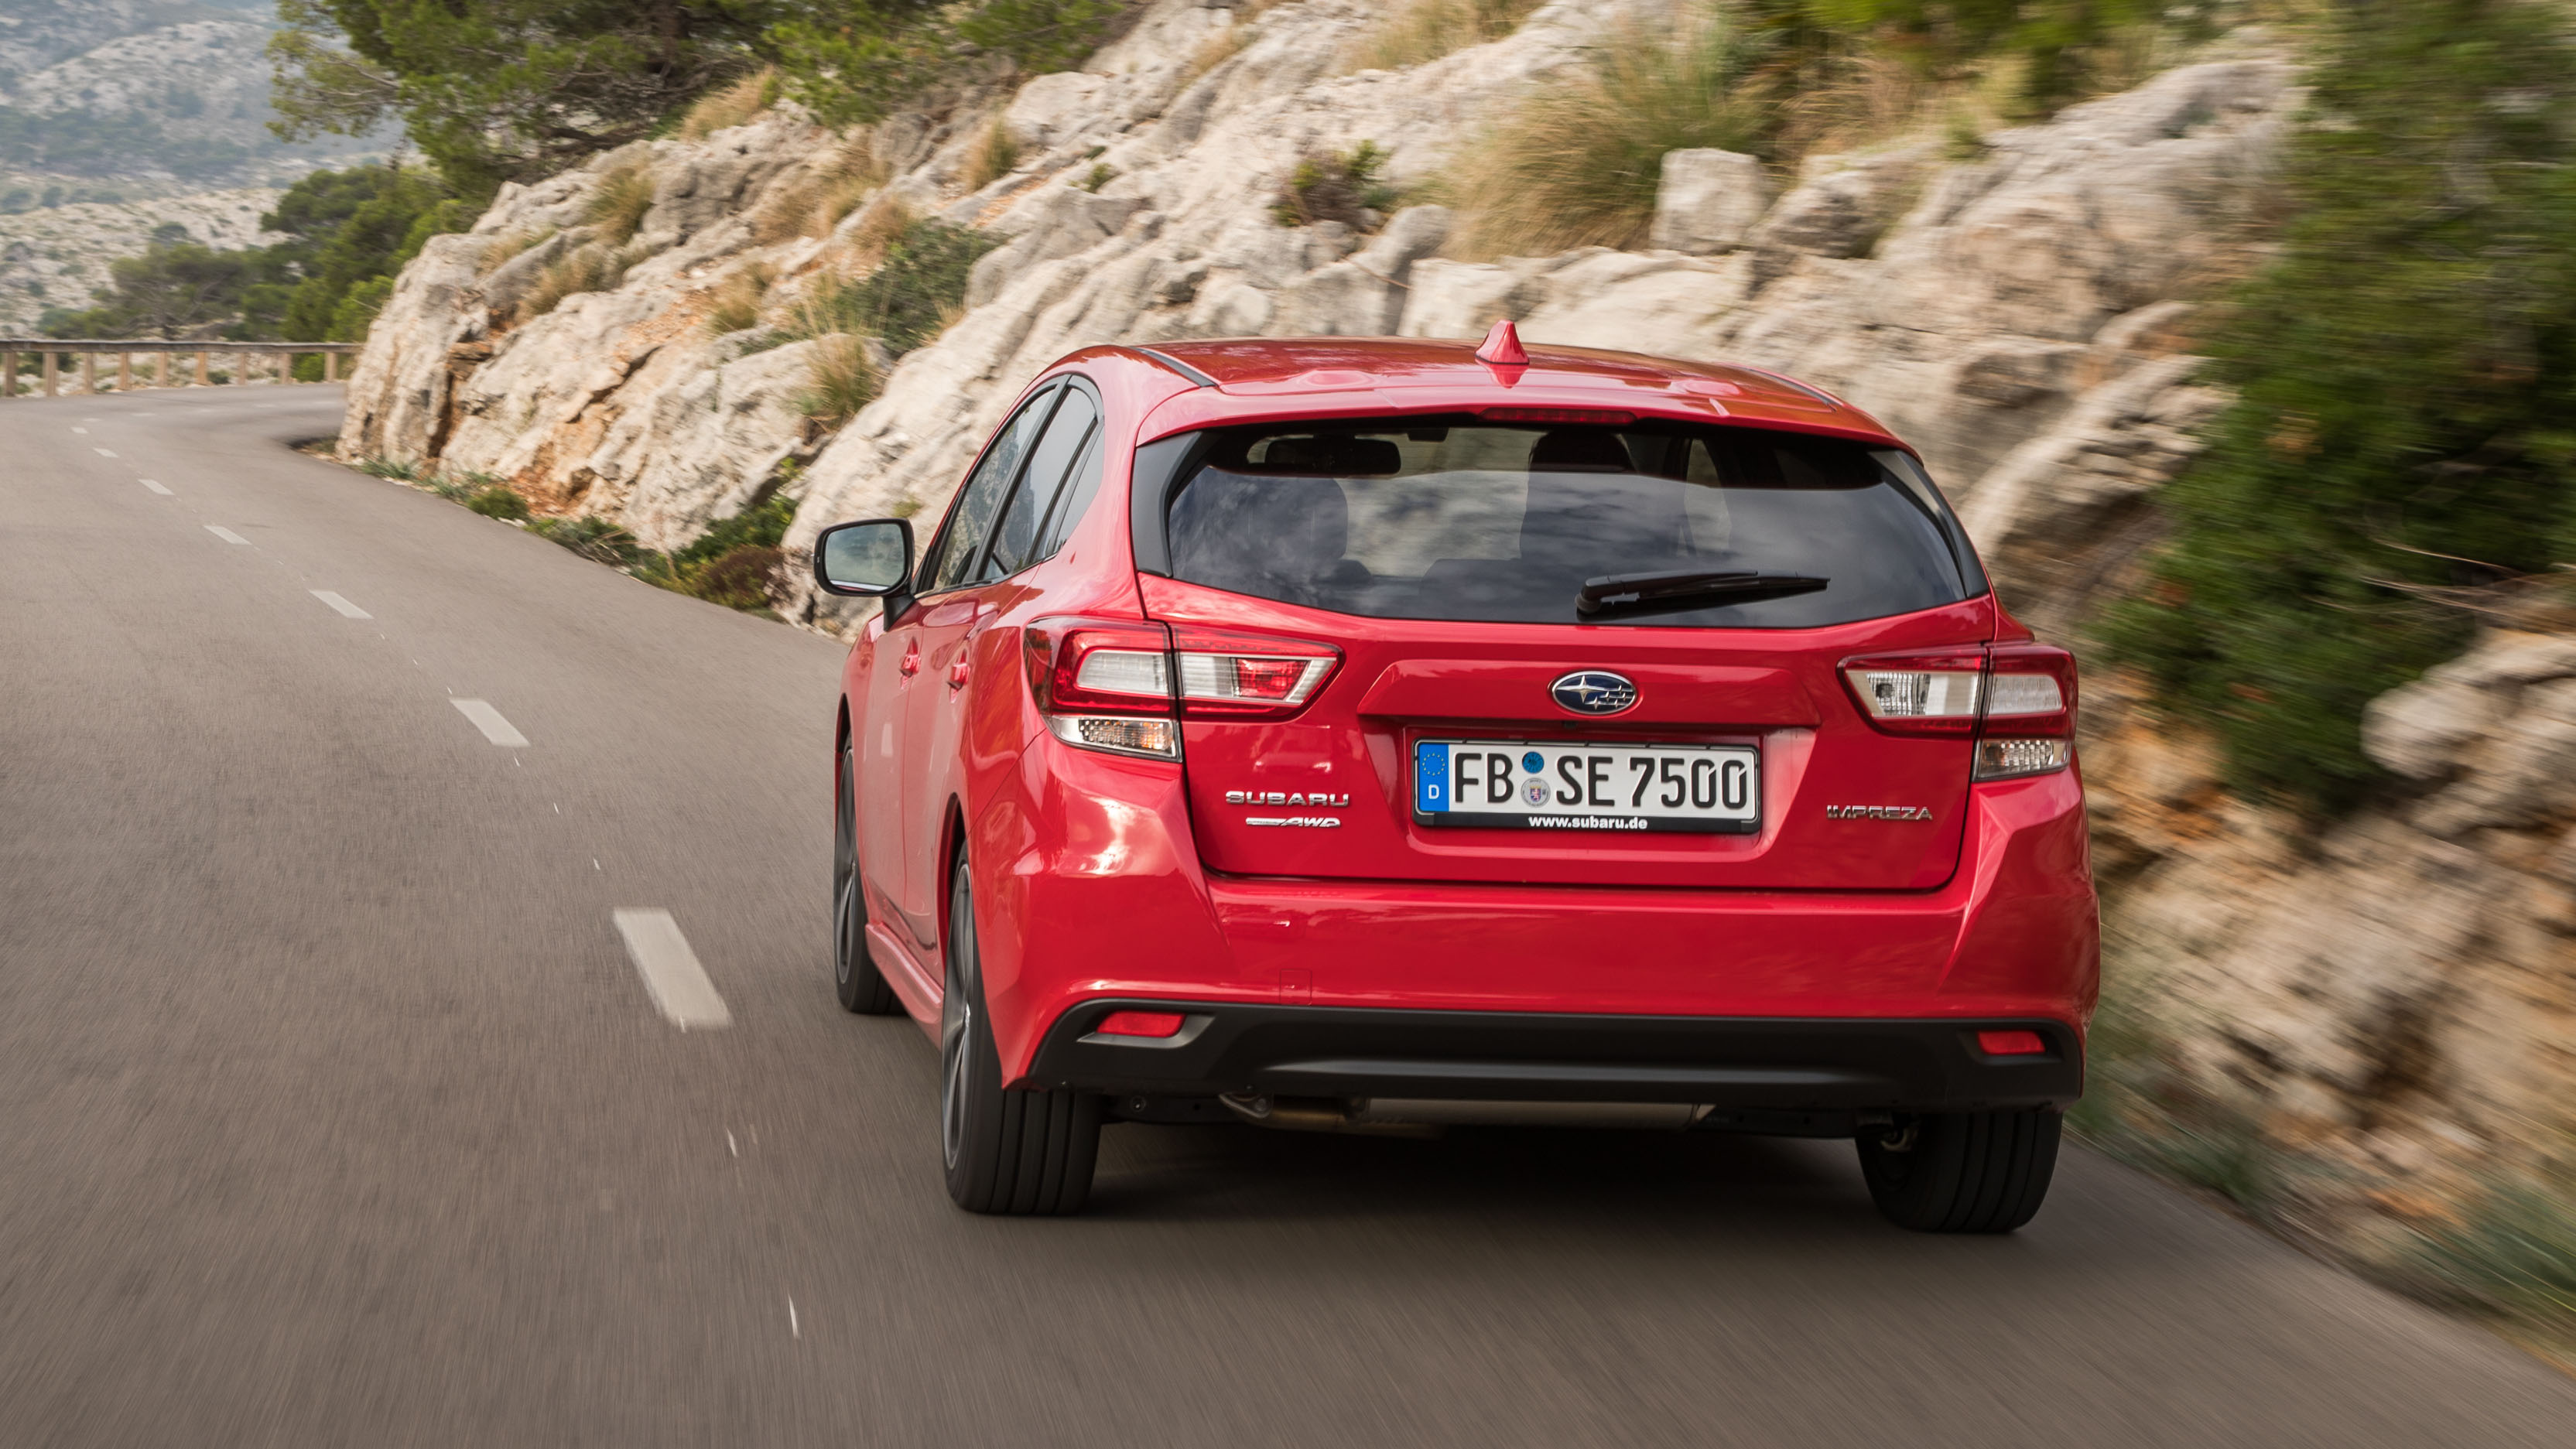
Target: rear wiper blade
column 1685, row 589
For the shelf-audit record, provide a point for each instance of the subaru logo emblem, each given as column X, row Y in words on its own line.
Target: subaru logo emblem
column 1594, row 691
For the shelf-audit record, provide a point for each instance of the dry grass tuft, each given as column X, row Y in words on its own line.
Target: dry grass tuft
column 498, row 251
column 787, row 211
column 990, row 158
column 1426, row 30
column 854, row 175
column 878, row 228
column 734, row 303
column 618, row 203
column 591, row 268
column 1577, row 162
column 735, row 105
column 839, row 379
column 1215, row 51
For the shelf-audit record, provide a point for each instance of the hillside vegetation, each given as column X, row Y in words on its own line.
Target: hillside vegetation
column 2402, row 453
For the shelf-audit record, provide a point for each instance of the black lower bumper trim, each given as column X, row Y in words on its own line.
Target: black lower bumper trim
column 1768, row 1064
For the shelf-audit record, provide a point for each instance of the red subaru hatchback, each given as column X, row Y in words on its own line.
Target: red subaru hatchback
column 1372, row 735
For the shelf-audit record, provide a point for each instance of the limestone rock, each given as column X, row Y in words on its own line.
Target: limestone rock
column 1708, row 201
column 1840, row 207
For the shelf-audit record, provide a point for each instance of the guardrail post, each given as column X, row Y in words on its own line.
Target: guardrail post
column 203, row 377
column 285, row 368
column 330, row 367
column 89, row 372
column 50, row 364
column 125, row 372
column 161, row 369
column 9, row 373
column 241, row 368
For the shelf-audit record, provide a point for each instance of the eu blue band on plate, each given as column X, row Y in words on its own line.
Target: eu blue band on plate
column 1431, row 777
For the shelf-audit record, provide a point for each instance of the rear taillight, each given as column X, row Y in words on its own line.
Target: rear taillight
column 2030, row 712
column 2016, row 700
column 1113, row 685
column 1104, row 684
column 1919, row 694
column 1248, row 676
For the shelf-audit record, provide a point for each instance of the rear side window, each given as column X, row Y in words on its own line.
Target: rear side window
column 1024, row 521
column 961, row 543
column 1671, row 526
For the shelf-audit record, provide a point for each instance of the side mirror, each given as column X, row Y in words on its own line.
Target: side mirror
column 864, row 560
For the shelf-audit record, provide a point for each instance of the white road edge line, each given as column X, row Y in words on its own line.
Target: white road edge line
column 104, row 452
column 155, row 485
column 670, row 969
column 346, row 608
column 487, row 719
column 226, row 534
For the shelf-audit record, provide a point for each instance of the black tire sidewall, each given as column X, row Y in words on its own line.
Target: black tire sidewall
column 1965, row 1172
column 981, row 1105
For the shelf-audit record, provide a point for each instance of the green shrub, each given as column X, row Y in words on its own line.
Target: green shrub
column 1336, row 186
column 739, row 578
column 498, row 501
column 2513, row 1255
column 2405, row 372
column 762, row 525
column 856, row 65
column 911, row 296
column 595, row 539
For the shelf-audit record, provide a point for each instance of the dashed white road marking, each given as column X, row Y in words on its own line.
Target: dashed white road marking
column 792, row 1330
column 347, row 609
column 104, row 452
column 226, row 534
column 670, row 969
column 487, row 719
column 83, row 431
column 155, row 485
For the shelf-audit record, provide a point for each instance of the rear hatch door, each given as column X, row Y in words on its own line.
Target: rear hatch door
column 1471, row 719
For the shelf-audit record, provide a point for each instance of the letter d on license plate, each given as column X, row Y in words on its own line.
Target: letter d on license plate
column 1561, row 785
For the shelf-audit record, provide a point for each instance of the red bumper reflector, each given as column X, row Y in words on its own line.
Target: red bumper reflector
column 1992, row 1043
column 1168, row 1023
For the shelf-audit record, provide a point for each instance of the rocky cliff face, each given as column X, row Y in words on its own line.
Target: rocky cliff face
column 2022, row 315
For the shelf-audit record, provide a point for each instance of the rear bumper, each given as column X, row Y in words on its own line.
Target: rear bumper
column 1741, row 1065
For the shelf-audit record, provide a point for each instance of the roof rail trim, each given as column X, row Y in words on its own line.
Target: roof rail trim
column 1196, row 377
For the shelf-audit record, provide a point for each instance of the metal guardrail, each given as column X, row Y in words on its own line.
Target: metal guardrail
column 126, row 349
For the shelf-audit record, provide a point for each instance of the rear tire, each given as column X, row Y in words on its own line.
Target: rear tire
column 1008, row 1152
column 861, row 987
column 1962, row 1172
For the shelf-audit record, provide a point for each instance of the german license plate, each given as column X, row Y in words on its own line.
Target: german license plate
column 1561, row 785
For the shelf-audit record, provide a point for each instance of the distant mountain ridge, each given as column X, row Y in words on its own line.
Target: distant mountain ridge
column 164, row 97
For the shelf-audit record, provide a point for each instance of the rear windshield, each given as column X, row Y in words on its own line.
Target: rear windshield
column 1671, row 526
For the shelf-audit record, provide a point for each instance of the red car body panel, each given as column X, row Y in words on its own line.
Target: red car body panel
column 1097, row 876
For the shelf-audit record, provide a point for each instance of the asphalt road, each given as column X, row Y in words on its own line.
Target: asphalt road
column 333, row 1110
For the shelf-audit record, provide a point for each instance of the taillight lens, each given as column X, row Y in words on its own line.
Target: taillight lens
column 2030, row 712
column 1104, row 684
column 1248, row 676
column 2016, row 700
column 1919, row 694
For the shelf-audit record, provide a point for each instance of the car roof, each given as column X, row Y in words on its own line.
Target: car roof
column 1251, row 379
